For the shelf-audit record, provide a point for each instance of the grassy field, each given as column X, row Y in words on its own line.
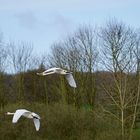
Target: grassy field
column 137, row 134
column 59, row 122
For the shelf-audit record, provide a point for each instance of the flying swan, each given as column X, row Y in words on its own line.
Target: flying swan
column 27, row 114
column 67, row 74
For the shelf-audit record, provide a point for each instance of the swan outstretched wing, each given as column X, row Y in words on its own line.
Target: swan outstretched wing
column 68, row 75
column 47, row 72
column 18, row 114
column 35, row 115
column 36, row 123
column 71, row 80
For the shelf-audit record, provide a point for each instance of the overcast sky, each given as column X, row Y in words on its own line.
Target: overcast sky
column 43, row 22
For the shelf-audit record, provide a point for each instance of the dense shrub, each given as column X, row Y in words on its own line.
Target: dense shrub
column 58, row 122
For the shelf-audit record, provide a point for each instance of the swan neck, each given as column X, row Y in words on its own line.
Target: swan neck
column 10, row 113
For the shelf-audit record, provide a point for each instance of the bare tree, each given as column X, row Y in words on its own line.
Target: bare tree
column 78, row 53
column 118, row 43
column 20, row 58
column 137, row 84
column 87, row 42
column 3, row 70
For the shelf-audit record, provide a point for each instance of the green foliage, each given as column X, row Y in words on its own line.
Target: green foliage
column 136, row 134
column 58, row 122
column 107, row 129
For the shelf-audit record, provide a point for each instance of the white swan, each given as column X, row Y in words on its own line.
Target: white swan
column 27, row 114
column 67, row 74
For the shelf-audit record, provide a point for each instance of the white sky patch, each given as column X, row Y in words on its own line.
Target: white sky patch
column 44, row 21
column 27, row 19
column 60, row 23
column 51, row 5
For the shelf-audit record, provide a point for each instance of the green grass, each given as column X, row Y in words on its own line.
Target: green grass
column 137, row 134
column 60, row 122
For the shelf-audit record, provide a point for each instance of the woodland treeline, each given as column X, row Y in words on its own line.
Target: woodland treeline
column 105, row 62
